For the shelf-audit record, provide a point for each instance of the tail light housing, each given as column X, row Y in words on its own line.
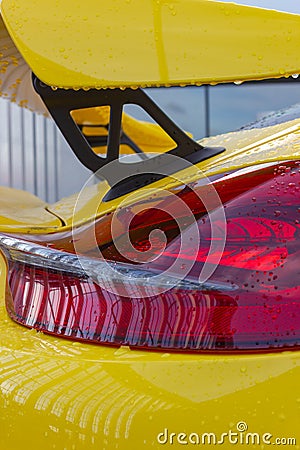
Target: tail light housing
column 250, row 302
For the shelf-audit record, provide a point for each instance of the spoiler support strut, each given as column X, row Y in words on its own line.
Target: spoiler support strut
column 60, row 103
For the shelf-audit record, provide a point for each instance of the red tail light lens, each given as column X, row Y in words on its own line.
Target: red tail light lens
column 251, row 302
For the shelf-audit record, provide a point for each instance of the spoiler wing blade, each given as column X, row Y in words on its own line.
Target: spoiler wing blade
column 139, row 43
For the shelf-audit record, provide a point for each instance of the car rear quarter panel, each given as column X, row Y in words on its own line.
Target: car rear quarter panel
column 58, row 394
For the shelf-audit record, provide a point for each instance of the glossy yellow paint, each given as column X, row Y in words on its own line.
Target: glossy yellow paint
column 88, row 397
column 149, row 137
column 22, row 211
column 151, row 42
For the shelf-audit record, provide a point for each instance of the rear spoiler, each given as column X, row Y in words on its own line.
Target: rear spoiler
column 146, row 43
column 112, row 49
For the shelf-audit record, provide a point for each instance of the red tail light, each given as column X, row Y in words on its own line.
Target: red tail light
column 251, row 301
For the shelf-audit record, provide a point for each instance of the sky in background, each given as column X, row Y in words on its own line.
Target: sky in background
column 292, row 6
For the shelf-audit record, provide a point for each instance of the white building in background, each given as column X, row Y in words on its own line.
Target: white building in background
column 34, row 156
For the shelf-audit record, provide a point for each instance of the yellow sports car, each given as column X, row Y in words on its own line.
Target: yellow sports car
column 159, row 306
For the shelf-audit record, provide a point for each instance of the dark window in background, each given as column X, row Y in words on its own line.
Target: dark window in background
column 233, row 106
column 211, row 110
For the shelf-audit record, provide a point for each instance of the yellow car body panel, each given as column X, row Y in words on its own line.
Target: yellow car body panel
column 149, row 137
column 24, row 212
column 86, row 397
column 151, row 43
column 243, row 148
column 64, row 395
